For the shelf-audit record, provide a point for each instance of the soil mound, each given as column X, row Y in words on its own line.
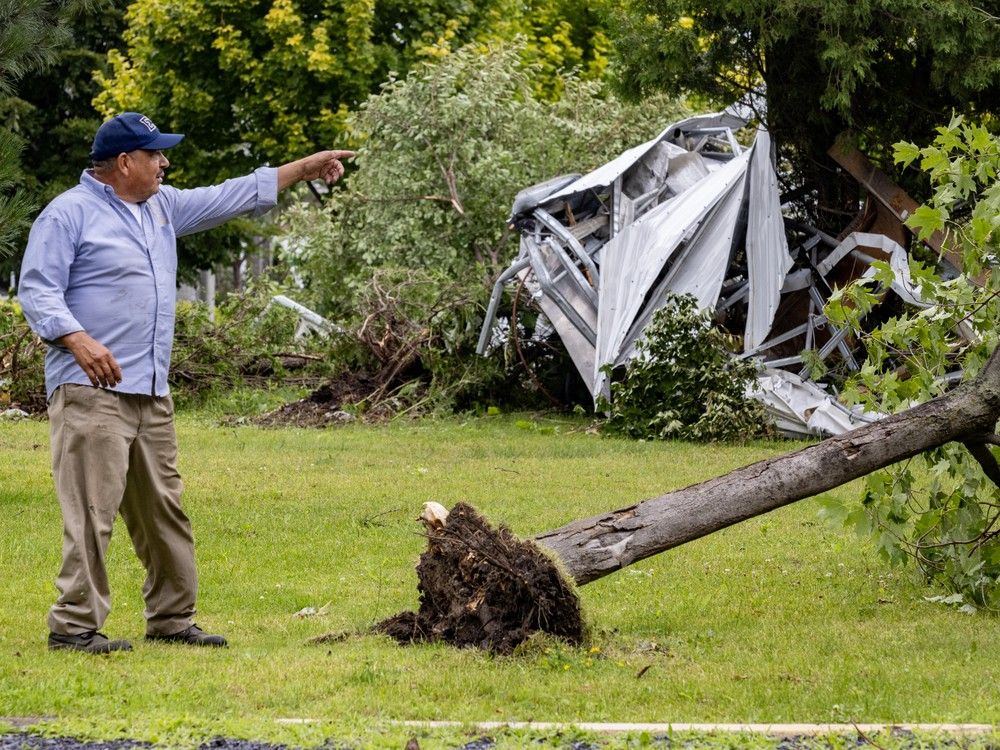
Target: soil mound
column 482, row 586
column 339, row 401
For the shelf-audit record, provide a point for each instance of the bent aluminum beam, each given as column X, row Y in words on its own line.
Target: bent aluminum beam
column 556, row 227
column 491, row 310
column 548, row 285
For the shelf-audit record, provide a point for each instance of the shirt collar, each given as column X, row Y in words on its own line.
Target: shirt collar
column 97, row 187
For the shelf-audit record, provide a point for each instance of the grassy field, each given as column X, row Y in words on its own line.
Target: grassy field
column 780, row 619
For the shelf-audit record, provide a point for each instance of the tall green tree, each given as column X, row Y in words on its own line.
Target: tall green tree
column 888, row 69
column 53, row 110
column 52, row 114
column 30, row 31
column 267, row 80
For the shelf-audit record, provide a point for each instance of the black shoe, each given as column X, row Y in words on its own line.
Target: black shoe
column 192, row 636
column 90, row 642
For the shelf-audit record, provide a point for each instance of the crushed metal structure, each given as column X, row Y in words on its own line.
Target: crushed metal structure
column 693, row 211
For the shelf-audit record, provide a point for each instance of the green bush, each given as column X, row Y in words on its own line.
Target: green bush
column 22, row 361
column 684, row 383
column 247, row 344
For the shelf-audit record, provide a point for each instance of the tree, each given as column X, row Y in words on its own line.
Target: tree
column 594, row 547
column 444, row 152
column 941, row 508
column 482, row 586
column 52, row 113
column 30, row 32
column 887, row 69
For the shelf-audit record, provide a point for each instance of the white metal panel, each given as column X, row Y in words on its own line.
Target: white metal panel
column 733, row 117
column 800, row 408
column 698, row 269
column 898, row 261
column 768, row 260
column 632, row 261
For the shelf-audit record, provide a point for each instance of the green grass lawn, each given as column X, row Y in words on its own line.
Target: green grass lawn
column 779, row 619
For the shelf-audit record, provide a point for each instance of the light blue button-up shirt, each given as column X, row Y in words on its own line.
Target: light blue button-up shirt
column 89, row 266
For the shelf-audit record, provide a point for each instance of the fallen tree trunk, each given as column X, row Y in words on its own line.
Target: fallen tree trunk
column 594, row 547
column 481, row 586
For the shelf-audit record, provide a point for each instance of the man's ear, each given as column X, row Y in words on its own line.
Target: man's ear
column 121, row 161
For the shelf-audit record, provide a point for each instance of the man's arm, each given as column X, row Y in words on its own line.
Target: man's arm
column 325, row 165
column 197, row 209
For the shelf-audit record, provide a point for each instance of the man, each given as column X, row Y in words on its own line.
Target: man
column 98, row 283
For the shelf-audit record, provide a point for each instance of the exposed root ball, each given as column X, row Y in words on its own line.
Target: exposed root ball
column 481, row 586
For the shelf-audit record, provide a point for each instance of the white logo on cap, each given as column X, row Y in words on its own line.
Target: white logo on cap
column 148, row 123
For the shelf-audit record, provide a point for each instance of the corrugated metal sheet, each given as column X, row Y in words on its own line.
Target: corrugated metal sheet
column 632, row 262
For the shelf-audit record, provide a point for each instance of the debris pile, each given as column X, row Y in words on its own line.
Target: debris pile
column 693, row 211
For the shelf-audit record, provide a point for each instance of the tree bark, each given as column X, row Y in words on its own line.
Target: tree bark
column 594, row 547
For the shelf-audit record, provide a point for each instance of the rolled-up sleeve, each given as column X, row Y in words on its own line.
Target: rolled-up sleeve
column 45, row 273
column 202, row 208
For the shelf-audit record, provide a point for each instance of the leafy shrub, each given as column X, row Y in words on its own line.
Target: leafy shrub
column 444, row 151
column 22, row 361
column 684, row 382
column 249, row 343
column 938, row 509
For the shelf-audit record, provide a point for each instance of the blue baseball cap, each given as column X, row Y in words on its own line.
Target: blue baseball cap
column 127, row 132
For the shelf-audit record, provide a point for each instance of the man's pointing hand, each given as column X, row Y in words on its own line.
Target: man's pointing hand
column 323, row 165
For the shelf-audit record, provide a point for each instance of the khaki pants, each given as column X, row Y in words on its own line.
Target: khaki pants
column 117, row 452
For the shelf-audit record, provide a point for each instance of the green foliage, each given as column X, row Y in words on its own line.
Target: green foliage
column 560, row 37
column 22, row 361
column 938, row 508
column 444, row 152
column 885, row 68
column 15, row 205
column 30, row 33
column 241, row 346
column 30, row 30
column 52, row 115
column 684, row 382
column 270, row 81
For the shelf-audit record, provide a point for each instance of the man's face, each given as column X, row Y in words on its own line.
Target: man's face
column 145, row 172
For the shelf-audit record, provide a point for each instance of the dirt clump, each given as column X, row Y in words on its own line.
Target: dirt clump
column 481, row 586
column 340, row 401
